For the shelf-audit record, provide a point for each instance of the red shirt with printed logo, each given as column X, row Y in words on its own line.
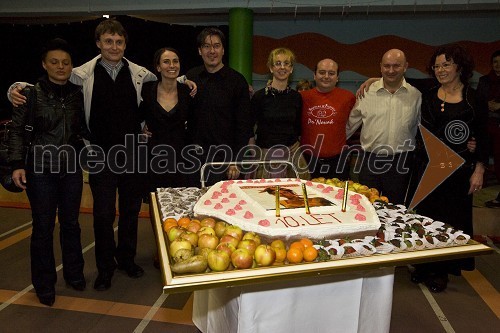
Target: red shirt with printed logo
column 324, row 119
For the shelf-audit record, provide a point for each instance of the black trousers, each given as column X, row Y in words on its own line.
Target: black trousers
column 130, row 187
column 389, row 174
column 50, row 194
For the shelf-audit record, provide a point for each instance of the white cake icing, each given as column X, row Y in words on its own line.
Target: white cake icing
column 251, row 205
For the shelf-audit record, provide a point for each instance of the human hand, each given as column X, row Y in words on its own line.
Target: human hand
column 476, row 180
column 233, row 172
column 146, row 131
column 493, row 106
column 16, row 97
column 471, row 144
column 360, row 93
column 192, row 86
column 19, row 178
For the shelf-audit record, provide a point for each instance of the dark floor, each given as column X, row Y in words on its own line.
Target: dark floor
column 470, row 304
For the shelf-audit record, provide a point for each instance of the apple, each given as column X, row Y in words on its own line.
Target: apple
column 220, row 227
column 208, row 222
column 248, row 244
column 278, row 244
column 229, row 239
column 253, row 236
column 218, row 260
column 174, row 233
column 178, row 244
column 194, row 226
column 207, row 240
column 228, row 247
column 241, row 259
column 203, row 251
column 190, row 236
column 234, row 231
column 206, row 230
column 264, row 255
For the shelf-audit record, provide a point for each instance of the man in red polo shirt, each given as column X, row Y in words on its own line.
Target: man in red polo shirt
column 325, row 112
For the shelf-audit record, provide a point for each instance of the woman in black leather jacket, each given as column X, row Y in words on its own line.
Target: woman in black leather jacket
column 50, row 173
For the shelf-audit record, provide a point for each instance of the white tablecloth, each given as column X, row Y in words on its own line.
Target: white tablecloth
column 354, row 302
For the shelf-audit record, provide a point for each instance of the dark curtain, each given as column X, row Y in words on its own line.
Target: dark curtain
column 22, row 46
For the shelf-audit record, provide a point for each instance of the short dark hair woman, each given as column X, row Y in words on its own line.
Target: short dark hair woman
column 51, row 173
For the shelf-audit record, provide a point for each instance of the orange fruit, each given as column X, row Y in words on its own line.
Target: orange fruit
column 297, row 245
column 306, row 242
column 280, row 254
column 170, row 219
column 294, row 255
column 310, row 254
column 183, row 222
column 169, row 224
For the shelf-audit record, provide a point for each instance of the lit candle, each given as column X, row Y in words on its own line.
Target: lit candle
column 306, row 201
column 277, row 196
column 344, row 199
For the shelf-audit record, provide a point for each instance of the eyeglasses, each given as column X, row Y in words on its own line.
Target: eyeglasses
column 445, row 66
column 284, row 64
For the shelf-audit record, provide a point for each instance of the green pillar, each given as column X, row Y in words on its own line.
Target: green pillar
column 240, row 41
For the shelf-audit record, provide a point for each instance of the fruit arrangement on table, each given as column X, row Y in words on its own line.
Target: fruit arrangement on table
column 204, row 244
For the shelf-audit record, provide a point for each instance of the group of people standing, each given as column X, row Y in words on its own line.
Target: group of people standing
column 207, row 115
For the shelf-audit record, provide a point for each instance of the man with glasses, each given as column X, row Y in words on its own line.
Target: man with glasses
column 220, row 123
column 389, row 113
column 325, row 111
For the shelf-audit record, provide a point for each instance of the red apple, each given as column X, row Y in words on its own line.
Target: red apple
column 178, row 244
column 264, row 255
column 248, row 244
column 174, row 233
column 207, row 240
column 194, row 226
column 228, row 247
column 206, row 230
column 220, row 227
column 242, row 259
column 190, row 236
column 253, row 236
column 234, row 231
column 208, row 222
column 218, row 260
column 229, row 239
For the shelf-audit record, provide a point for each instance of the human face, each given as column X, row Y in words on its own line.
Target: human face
column 393, row 68
column 58, row 65
column 326, row 76
column 211, row 52
column 446, row 71
column 169, row 65
column 112, row 47
column 282, row 67
column 496, row 65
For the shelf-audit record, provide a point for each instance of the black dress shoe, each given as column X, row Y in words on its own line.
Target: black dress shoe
column 77, row 284
column 103, row 281
column 133, row 270
column 437, row 283
column 47, row 299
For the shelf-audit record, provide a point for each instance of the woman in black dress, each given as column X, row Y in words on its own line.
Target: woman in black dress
column 454, row 114
column 165, row 108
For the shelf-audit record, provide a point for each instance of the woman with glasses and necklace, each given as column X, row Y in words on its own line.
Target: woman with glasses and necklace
column 276, row 110
column 453, row 113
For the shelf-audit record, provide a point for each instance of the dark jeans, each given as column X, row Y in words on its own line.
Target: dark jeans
column 49, row 193
column 104, row 186
column 328, row 167
column 389, row 174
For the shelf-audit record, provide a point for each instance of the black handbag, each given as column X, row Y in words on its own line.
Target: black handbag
column 5, row 168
